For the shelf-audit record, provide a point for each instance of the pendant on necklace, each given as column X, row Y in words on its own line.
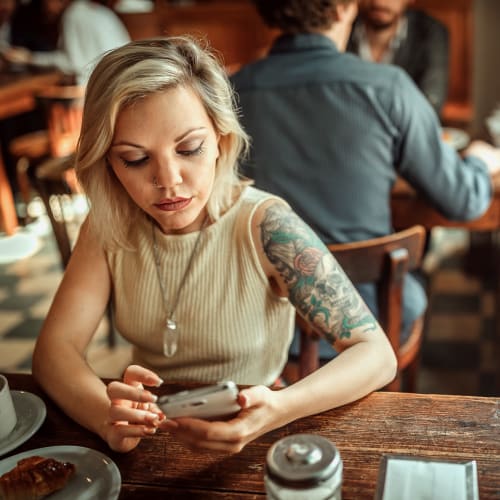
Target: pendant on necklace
column 170, row 338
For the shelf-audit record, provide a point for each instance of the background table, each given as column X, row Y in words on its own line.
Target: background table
column 457, row 428
column 409, row 208
column 17, row 95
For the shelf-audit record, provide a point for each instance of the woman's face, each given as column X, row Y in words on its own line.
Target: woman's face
column 164, row 153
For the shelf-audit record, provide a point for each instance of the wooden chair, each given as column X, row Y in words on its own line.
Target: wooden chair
column 46, row 163
column 63, row 107
column 384, row 261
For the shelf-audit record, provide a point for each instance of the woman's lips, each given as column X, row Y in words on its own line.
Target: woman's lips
column 171, row 205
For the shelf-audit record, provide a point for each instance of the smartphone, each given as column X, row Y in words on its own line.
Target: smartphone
column 218, row 400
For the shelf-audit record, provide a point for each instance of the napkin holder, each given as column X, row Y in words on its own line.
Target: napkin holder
column 418, row 478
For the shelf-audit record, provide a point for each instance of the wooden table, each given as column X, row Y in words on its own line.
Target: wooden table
column 409, row 208
column 17, row 95
column 457, row 428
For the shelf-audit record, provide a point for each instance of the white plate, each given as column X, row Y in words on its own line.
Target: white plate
column 455, row 137
column 31, row 411
column 96, row 476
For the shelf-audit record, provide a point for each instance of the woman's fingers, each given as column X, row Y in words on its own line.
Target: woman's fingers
column 120, row 390
column 230, row 436
column 135, row 374
column 124, row 431
column 121, row 413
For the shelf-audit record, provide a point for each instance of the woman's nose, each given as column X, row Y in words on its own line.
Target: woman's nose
column 167, row 175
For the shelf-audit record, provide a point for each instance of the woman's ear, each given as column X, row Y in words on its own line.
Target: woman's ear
column 219, row 139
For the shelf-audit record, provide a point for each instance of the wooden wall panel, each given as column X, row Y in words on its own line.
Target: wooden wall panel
column 142, row 25
column 234, row 29
column 457, row 15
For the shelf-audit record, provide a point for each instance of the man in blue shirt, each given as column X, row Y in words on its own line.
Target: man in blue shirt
column 331, row 133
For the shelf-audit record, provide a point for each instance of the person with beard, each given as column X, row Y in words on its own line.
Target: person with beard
column 387, row 31
column 331, row 133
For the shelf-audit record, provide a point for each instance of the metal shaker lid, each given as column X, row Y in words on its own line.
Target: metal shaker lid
column 303, row 460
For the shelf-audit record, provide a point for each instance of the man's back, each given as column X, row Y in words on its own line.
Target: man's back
column 330, row 134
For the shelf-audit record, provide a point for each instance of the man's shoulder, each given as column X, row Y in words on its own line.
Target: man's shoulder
column 424, row 22
column 345, row 69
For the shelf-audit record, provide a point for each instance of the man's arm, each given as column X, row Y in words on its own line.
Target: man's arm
column 460, row 188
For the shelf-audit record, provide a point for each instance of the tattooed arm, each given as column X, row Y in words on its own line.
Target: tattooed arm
column 300, row 266
column 305, row 270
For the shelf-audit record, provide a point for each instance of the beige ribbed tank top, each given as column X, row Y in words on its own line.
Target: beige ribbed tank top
column 232, row 326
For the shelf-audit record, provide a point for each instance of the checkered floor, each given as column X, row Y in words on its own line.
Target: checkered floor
column 461, row 350
column 27, row 287
column 461, row 347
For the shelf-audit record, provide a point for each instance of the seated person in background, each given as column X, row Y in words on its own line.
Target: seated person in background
column 88, row 29
column 36, row 25
column 330, row 133
column 386, row 31
column 175, row 238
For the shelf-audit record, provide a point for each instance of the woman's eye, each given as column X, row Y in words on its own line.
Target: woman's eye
column 191, row 152
column 134, row 163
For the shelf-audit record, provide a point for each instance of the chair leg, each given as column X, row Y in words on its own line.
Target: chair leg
column 309, row 354
column 8, row 215
column 23, row 181
column 411, row 375
column 58, row 226
column 395, row 385
column 290, row 373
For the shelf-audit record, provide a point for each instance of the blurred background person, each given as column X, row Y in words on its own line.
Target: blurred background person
column 331, row 133
column 387, row 31
column 36, row 25
column 88, row 30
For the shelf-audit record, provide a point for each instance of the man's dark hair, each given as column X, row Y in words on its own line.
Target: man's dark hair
column 298, row 16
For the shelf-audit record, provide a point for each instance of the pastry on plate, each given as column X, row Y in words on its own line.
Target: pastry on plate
column 34, row 478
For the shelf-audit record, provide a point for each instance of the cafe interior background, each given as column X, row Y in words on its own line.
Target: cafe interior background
column 461, row 349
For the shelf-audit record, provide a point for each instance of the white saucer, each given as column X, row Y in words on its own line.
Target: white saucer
column 459, row 139
column 96, row 476
column 31, row 412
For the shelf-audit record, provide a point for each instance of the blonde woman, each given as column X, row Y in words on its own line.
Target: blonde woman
column 203, row 270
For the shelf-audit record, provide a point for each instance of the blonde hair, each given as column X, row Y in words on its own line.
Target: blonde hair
column 130, row 73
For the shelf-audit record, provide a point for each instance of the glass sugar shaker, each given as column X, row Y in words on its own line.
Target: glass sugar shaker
column 303, row 466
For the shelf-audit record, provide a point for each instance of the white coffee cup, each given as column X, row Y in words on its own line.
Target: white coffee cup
column 8, row 417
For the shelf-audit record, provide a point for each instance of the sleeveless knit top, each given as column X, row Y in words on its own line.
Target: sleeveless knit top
column 231, row 324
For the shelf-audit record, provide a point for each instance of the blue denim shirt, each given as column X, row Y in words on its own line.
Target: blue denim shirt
column 331, row 133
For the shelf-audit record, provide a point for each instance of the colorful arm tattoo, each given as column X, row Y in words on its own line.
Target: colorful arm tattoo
column 317, row 285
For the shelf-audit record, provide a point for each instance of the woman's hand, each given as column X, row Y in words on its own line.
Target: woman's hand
column 260, row 412
column 132, row 414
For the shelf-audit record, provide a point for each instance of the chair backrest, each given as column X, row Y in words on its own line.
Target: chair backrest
column 63, row 105
column 384, row 261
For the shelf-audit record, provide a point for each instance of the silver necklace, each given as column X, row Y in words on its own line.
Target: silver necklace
column 171, row 331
